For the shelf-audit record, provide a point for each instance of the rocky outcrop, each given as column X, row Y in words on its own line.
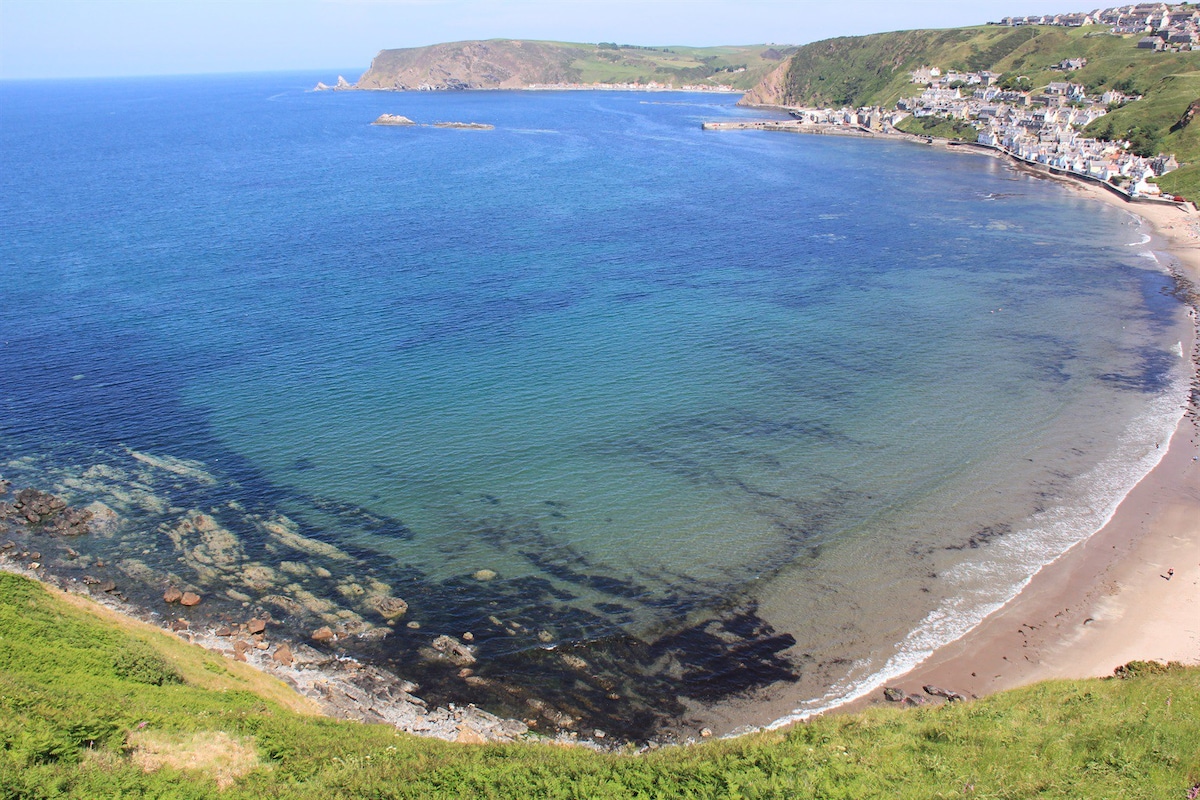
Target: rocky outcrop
column 341, row 86
column 44, row 513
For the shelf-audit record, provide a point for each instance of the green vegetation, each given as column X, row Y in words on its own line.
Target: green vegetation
column 874, row 70
column 940, row 127
column 1165, row 121
column 79, row 717
column 612, row 63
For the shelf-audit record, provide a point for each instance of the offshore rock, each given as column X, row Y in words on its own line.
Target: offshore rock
column 458, row 653
column 393, row 119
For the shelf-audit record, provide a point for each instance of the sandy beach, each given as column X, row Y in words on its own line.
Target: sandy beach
column 1132, row 590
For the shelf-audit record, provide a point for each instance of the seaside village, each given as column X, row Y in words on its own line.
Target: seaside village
column 1042, row 127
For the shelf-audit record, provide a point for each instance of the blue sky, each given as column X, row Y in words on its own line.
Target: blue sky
column 92, row 38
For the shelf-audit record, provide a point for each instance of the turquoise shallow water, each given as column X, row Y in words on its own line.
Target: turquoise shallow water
column 726, row 413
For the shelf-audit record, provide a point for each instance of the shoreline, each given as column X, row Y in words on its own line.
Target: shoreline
column 1109, row 599
column 1106, row 600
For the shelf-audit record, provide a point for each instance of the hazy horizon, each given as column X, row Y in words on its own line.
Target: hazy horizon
column 129, row 38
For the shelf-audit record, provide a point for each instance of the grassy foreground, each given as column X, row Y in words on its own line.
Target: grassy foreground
column 94, row 706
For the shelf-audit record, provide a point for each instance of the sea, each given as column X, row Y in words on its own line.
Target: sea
column 660, row 422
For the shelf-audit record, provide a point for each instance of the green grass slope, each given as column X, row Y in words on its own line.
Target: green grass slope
column 92, row 708
column 874, row 70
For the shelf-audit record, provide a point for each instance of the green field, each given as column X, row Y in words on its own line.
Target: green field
column 738, row 66
column 92, row 707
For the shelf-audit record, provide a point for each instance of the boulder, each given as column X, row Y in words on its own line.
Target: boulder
column 283, row 655
column 323, row 634
column 893, row 695
column 172, row 595
column 256, row 626
column 946, row 693
column 484, row 574
column 190, row 599
column 468, row 735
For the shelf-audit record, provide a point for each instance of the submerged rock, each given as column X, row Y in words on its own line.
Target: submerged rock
column 389, row 607
column 484, row 575
column 177, row 466
column 454, row 650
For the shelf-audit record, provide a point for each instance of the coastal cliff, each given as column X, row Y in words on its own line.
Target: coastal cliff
column 470, row 65
column 516, row 64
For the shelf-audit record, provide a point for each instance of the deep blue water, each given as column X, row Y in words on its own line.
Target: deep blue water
column 712, row 406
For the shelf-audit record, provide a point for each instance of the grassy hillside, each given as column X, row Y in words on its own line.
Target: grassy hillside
column 1167, row 121
column 94, row 707
column 874, row 70
column 504, row 63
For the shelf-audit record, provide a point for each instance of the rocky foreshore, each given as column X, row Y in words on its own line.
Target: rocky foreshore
column 342, row 687
column 38, row 530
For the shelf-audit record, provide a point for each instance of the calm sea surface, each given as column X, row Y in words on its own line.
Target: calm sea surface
column 729, row 415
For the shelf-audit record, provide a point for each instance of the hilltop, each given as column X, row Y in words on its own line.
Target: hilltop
column 514, row 64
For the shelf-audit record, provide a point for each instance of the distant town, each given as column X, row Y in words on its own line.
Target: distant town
column 1167, row 27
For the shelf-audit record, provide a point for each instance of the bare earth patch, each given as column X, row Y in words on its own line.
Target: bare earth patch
column 225, row 758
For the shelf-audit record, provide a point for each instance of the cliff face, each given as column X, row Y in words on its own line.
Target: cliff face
column 470, row 65
column 771, row 91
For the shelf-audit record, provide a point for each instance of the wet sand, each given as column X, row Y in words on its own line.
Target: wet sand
column 1132, row 590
